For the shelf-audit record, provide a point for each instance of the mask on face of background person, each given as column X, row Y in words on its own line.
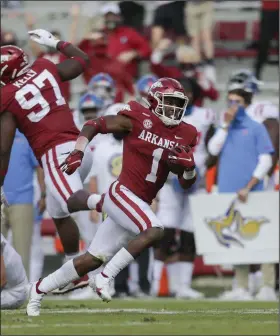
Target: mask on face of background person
column 240, row 114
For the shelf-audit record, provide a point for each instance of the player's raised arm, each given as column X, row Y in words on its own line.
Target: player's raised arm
column 103, row 125
column 7, row 134
column 70, row 68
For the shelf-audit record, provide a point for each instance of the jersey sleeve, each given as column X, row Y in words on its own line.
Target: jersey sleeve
column 263, row 141
column 210, row 117
column 6, row 100
column 130, row 110
column 194, row 136
column 270, row 111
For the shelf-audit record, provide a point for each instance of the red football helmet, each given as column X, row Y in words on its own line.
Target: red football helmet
column 167, row 100
column 14, row 62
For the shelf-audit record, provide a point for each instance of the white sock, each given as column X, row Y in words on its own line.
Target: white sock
column 93, row 200
column 157, row 272
column 60, row 278
column 71, row 256
column 173, row 270
column 120, row 260
column 254, row 282
column 185, row 273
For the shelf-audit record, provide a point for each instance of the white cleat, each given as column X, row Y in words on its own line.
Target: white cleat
column 189, row 293
column 86, row 293
column 238, row 294
column 35, row 298
column 266, row 293
column 101, row 285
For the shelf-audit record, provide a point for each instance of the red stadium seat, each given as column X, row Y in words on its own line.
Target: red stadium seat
column 230, row 31
column 48, row 228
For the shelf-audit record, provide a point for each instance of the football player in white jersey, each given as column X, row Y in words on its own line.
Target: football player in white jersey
column 14, row 283
column 267, row 113
column 178, row 243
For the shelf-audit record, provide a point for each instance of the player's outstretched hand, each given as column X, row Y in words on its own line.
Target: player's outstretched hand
column 182, row 156
column 43, row 37
column 72, row 162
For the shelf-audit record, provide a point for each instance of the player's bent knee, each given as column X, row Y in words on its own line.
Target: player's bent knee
column 187, row 244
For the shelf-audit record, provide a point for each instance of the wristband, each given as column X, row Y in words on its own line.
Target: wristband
column 224, row 126
column 62, row 45
column 188, row 175
column 99, row 125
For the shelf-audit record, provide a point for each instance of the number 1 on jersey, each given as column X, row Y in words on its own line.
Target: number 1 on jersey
column 157, row 154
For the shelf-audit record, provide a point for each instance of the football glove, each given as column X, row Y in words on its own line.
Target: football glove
column 182, row 156
column 43, row 37
column 72, row 162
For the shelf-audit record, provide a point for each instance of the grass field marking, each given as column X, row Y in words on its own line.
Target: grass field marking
column 148, row 311
column 78, row 325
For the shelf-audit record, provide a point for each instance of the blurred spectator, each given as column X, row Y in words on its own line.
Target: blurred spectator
column 187, row 65
column 9, row 37
column 19, row 191
column 242, row 145
column 37, row 253
column 269, row 28
column 11, row 4
column 199, row 20
column 133, row 14
column 14, row 281
column 125, row 44
column 52, row 54
column 168, row 19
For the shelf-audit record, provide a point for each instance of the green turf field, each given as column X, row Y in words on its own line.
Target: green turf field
column 145, row 317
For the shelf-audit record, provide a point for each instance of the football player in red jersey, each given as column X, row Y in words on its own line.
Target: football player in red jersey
column 155, row 141
column 31, row 101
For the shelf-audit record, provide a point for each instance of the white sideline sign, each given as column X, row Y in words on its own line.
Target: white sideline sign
column 230, row 232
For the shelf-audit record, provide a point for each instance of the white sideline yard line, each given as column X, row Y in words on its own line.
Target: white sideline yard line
column 91, row 325
column 78, row 325
column 149, row 311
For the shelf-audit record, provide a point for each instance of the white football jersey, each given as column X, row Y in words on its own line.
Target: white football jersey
column 15, row 271
column 107, row 158
column 262, row 110
column 114, row 109
column 201, row 118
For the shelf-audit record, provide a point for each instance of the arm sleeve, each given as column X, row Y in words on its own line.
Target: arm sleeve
column 263, row 166
column 263, row 141
column 217, row 142
column 140, row 44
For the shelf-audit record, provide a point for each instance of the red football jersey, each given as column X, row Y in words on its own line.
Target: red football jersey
column 41, row 111
column 146, row 149
column 57, row 58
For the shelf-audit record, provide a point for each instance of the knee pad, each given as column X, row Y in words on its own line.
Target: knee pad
column 168, row 244
column 187, row 243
